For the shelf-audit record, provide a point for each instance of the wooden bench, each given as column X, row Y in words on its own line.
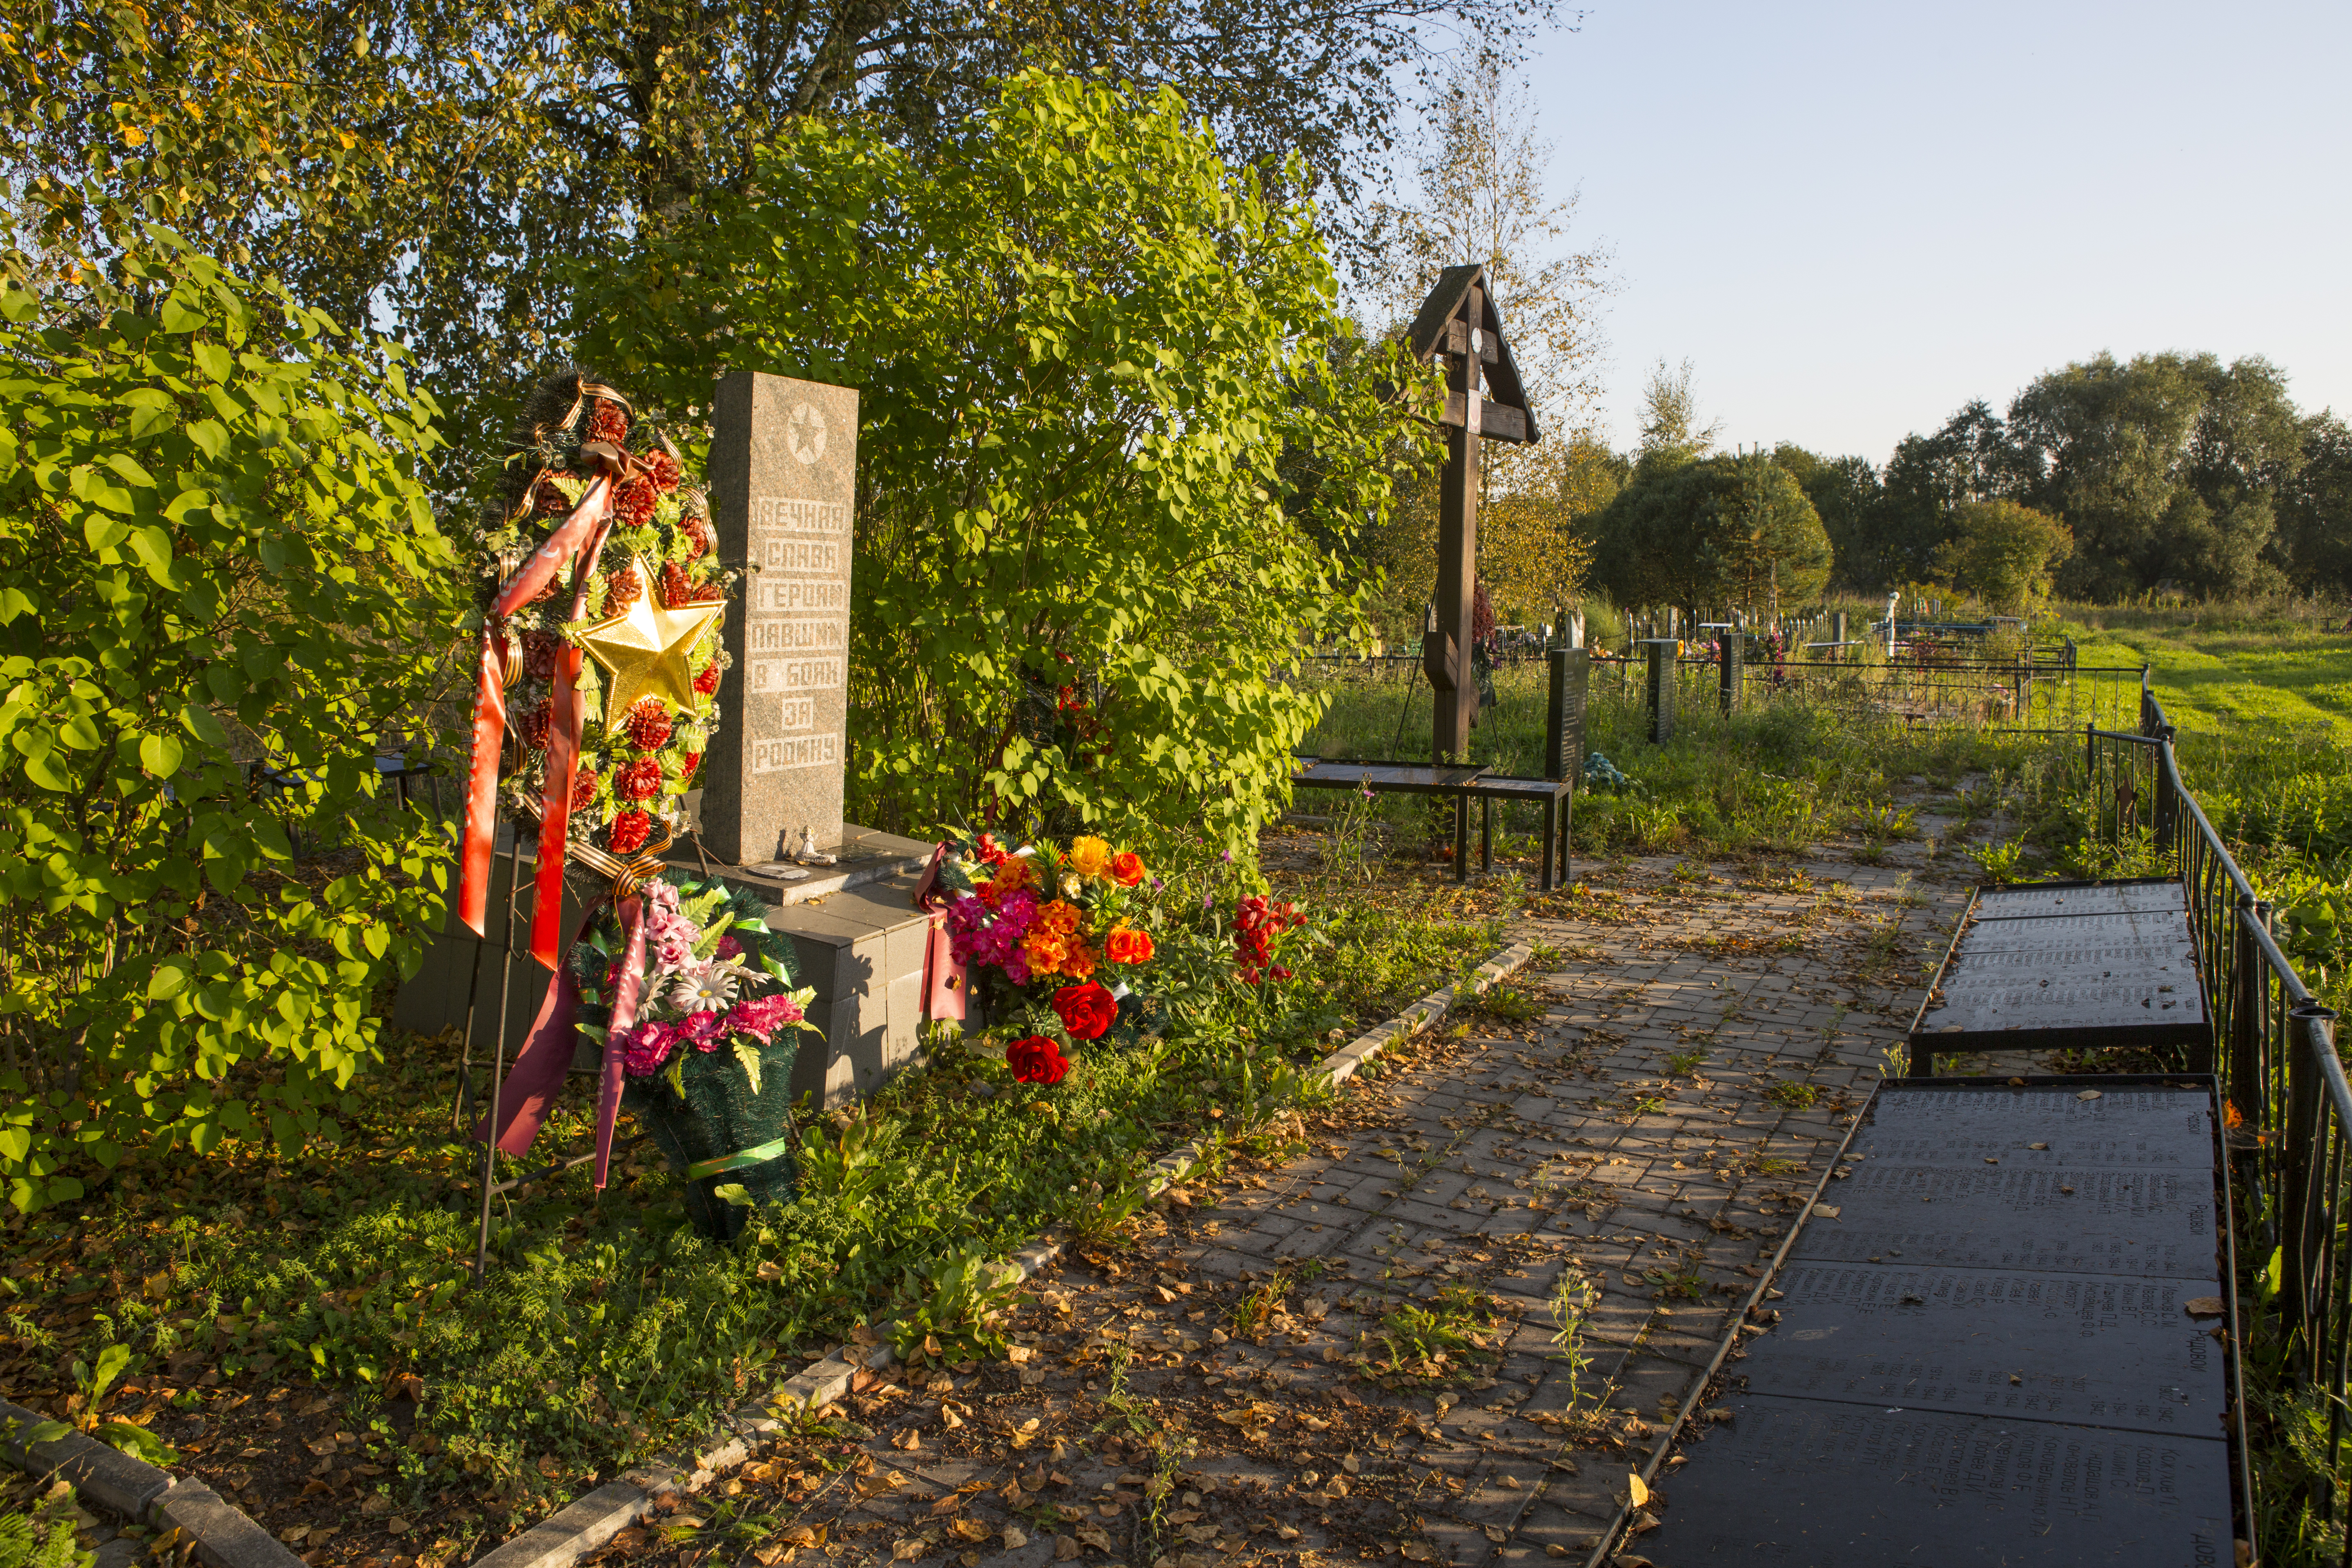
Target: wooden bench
column 1462, row 784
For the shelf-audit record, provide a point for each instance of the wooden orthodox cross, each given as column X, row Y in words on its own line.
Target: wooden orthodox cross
column 1484, row 399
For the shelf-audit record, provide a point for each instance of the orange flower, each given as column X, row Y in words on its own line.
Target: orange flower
column 1127, row 945
column 1047, row 952
column 1015, row 871
column 1127, row 867
column 1057, row 917
column 1078, row 962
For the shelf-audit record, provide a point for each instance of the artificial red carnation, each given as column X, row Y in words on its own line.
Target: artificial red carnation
column 662, row 468
column 583, row 784
column 539, row 653
column 693, row 761
column 549, row 500
column 622, row 586
column 678, row 589
column 629, row 831
column 1037, row 1061
column 698, row 538
column 640, row 780
column 1086, row 1011
column 707, row 681
column 633, row 504
column 649, row 725
column 535, row 725
column 610, row 423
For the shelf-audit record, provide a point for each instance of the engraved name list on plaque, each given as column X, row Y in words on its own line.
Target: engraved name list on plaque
column 783, row 466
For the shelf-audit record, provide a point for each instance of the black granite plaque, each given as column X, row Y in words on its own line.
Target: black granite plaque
column 2128, row 928
column 1660, row 683
column 1804, row 1483
column 2139, row 1222
column 2034, row 901
column 1571, row 676
column 2079, row 1001
column 2089, row 1347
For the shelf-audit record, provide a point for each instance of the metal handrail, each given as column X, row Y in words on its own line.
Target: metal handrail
column 2291, row 1145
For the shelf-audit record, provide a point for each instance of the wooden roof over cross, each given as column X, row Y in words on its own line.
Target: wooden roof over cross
column 1443, row 325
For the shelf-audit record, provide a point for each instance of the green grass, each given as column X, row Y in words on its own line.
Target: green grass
column 1786, row 772
column 2223, row 669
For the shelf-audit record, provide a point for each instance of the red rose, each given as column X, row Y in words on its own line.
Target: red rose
column 1036, row 1060
column 1084, row 1010
column 640, row 780
column 707, row 681
column 1127, row 867
column 1127, row 945
column 630, row 831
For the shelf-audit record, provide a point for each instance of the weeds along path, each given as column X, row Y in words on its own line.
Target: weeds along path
column 1431, row 1320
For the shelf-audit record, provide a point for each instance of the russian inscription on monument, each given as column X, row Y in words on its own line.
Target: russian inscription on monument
column 783, row 465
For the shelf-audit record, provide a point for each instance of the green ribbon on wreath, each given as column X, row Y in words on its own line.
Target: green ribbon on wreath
column 756, row 1154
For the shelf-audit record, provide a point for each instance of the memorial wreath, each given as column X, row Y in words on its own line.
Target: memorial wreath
column 603, row 599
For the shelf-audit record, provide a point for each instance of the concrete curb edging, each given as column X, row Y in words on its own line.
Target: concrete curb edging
column 585, row 1525
column 135, row 1490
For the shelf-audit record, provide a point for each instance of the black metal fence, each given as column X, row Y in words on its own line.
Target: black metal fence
column 2040, row 695
column 2283, row 1087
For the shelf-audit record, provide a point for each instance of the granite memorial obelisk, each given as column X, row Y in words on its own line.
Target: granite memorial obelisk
column 783, row 479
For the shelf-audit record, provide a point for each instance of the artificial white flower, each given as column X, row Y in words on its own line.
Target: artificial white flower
column 707, row 987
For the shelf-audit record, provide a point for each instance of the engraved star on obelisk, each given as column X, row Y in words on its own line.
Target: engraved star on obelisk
column 644, row 650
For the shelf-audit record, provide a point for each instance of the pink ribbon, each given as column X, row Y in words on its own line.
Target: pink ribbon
column 625, row 996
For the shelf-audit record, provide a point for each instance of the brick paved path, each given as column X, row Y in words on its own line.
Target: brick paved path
column 1256, row 1377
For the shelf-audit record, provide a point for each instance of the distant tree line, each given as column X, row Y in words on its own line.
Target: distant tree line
column 2108, row 478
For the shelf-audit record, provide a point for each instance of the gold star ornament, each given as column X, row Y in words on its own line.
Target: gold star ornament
column 645, row 650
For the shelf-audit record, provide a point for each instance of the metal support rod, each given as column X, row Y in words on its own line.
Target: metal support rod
column 2245, row 1007
column 2300, row 1166
column 499, row 1061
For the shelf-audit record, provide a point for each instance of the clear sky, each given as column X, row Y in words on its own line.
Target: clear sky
column 1852, row 218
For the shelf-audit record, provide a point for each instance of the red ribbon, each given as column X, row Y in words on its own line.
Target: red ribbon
column 490, row 719
column 562, row 762
column 528, row 1093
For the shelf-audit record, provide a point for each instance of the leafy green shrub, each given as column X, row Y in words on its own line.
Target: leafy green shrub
column 220, row 591
column 1109, row 405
